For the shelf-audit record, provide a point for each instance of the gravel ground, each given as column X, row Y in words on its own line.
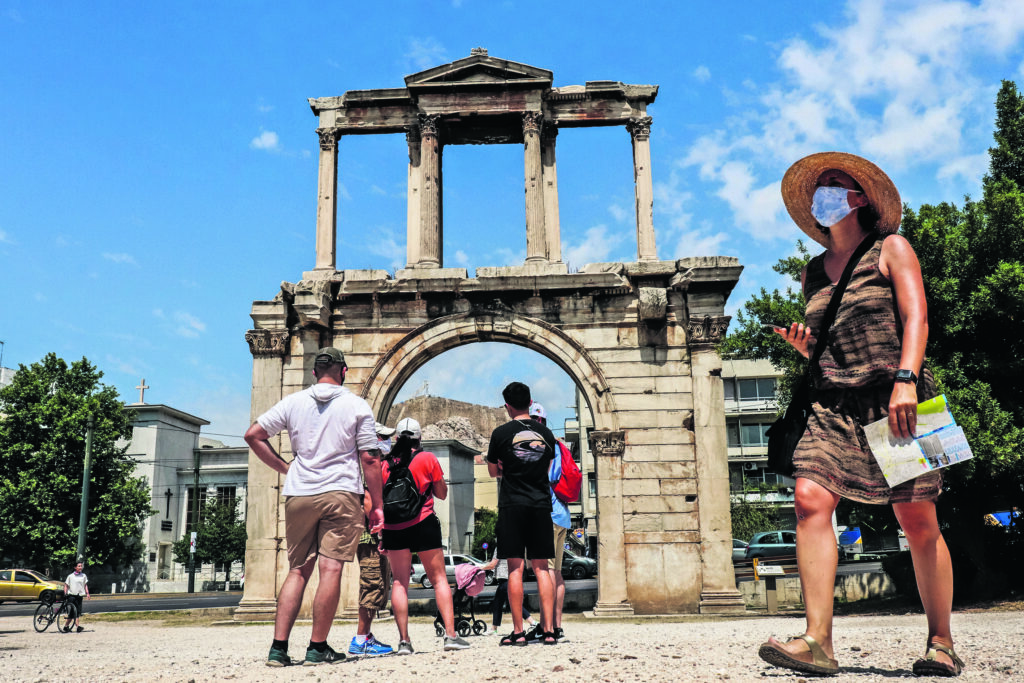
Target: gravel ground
column 869, row 648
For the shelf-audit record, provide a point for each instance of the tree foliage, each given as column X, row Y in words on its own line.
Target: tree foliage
column 485, row 530
column 43, row 416
column 748, row 519
column 220, row 535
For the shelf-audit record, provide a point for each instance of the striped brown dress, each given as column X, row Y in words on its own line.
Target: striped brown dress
column 853, row 384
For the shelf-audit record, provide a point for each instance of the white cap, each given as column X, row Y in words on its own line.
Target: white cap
column 409, row 427
column 537, row 410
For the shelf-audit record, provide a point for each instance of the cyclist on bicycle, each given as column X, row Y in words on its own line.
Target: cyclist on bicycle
column 76, row 586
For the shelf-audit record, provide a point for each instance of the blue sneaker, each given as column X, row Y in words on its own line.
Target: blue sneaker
column 371, row 648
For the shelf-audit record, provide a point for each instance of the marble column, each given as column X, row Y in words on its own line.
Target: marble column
column 612, row 592
column 413, row 227
column 640, row 130
column 536, row 243
column 552, row 230
column 264, row 516
column 718, row 589
column 327, row 200
column 430, row 195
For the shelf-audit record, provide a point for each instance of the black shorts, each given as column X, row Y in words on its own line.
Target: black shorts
column 425, row 535
column 525, row 532
column 76, row 600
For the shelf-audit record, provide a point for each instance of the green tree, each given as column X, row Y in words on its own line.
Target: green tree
column 43, row 416
column 748, row 519
column 485, row 527
column 220, row 536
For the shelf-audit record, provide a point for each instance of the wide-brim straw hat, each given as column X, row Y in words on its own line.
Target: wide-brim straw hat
column 800, row 182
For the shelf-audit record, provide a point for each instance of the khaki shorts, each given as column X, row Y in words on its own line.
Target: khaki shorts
column 327, row 524
column 374, row 577
column 556, row 562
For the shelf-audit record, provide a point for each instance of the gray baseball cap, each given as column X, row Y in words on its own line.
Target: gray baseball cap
column 329, row 356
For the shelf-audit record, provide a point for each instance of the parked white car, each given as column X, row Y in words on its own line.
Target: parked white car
column 419, row 574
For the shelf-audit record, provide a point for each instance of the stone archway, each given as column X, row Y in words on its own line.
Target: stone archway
column 637, row 338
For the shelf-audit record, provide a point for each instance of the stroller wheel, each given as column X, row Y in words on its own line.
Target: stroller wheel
column 438, row 627
column 479, row 627
column 464, row 628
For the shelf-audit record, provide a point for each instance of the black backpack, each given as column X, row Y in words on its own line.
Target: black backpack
column 402, row 499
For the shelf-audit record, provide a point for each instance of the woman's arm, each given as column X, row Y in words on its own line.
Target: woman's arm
column 899, row 263
column 798, row 336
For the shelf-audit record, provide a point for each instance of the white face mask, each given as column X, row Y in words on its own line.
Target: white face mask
column 831, row 205
column 384, row 445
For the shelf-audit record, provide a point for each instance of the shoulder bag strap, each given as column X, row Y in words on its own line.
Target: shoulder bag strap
column 837, row 296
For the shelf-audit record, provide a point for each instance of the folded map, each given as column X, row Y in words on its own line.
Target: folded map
column 939, row 443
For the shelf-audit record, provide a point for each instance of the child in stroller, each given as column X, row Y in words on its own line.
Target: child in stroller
column 469, row 581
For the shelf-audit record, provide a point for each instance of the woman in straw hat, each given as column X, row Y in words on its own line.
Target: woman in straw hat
column 872, row 368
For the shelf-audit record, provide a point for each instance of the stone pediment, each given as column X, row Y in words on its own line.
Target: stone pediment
column 479, row 70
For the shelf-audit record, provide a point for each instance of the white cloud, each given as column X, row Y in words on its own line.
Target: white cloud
column 620, row 214
column 378, row 190
column 596, row 246
column 120, row 258
column 700, row 243
column 4, row 238
column 461, row 258
column 121, row 365
column 266, row 140
column 702, row 74
column 188, row 325
column 425, row 53
column 969, row 168
column 159, row 313
column 386, row 244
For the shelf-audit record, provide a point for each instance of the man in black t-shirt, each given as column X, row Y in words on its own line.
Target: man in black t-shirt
column 520, row 452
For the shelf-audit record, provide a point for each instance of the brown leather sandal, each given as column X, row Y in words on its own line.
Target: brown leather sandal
column 929, row 665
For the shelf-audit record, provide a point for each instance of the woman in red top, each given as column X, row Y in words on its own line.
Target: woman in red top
column 421, row 535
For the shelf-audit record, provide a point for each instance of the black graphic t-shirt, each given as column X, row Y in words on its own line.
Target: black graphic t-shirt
column 525, row 449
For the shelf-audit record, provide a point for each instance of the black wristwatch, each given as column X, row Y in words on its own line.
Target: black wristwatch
column 903, row 375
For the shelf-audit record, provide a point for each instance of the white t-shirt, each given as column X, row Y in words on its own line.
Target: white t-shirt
column 76, row 582
column 328, row 425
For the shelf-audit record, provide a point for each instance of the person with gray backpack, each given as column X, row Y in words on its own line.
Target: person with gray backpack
column 412, row 479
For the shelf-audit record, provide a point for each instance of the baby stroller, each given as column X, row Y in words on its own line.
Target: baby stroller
column 469, row 581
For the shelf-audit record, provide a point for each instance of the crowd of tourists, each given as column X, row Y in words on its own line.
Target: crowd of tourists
column 358, row 489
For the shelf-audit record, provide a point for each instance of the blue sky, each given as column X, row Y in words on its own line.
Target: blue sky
column 158, row 162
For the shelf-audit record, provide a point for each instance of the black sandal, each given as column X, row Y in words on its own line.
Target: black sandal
column 517, row 639
column 548, row 638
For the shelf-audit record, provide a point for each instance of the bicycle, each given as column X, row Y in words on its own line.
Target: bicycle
column 61, row 610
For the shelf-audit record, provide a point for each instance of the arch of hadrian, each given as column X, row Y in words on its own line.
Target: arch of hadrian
column 636, row 338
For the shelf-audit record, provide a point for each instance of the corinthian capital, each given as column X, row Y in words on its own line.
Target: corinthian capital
column 610, row 444
column 428, row 124
column 267, row 342
column 328, row 138
column 549, row 131
column 531, row 122
column 706, row 330
column 639, row 127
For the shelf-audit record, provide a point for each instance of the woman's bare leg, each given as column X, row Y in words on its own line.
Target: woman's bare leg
column 817, row 556
column 932, row 567
column 401, row 567
column 433, row 563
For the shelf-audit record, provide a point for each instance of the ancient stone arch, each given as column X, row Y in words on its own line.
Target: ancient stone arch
column 637, row 338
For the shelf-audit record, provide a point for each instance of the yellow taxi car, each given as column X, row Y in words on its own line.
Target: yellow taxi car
column 26, row 585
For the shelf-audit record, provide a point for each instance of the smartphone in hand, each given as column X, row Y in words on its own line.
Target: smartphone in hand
column 773, row 328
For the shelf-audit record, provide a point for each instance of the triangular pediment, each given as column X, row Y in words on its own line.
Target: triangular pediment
column 477, row 69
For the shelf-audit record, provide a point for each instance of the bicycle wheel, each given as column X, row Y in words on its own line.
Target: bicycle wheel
column 43, row 617
column 66, row 617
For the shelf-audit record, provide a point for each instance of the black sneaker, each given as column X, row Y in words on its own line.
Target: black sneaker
column 278, row 657
column 328, row 656
column 559, row 634
column 535, row 635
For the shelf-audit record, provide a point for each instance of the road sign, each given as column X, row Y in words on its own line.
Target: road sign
column 192, row 543
column 578, row 533
column 568, row 547
column 484, row 545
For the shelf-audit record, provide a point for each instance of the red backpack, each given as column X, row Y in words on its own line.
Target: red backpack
column 567, row 488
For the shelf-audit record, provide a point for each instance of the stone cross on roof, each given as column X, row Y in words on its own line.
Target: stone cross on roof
column 142, row 391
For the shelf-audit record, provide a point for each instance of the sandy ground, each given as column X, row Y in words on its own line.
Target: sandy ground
column 869, row 648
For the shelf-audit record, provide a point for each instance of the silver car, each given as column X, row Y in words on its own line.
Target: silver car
column 771, row 544
column 419, row 574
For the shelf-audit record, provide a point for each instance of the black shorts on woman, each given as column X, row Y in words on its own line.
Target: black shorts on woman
column 423, row 535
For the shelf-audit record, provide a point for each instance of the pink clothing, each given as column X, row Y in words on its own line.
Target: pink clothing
column 425, row 471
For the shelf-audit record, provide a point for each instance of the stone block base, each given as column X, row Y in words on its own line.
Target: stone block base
column 723, row 602
column 432, row 274
column 614, row 609
column 256, row 610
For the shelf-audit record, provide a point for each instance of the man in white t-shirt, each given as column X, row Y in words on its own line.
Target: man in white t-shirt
column 77, row 586
column 331, row 432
